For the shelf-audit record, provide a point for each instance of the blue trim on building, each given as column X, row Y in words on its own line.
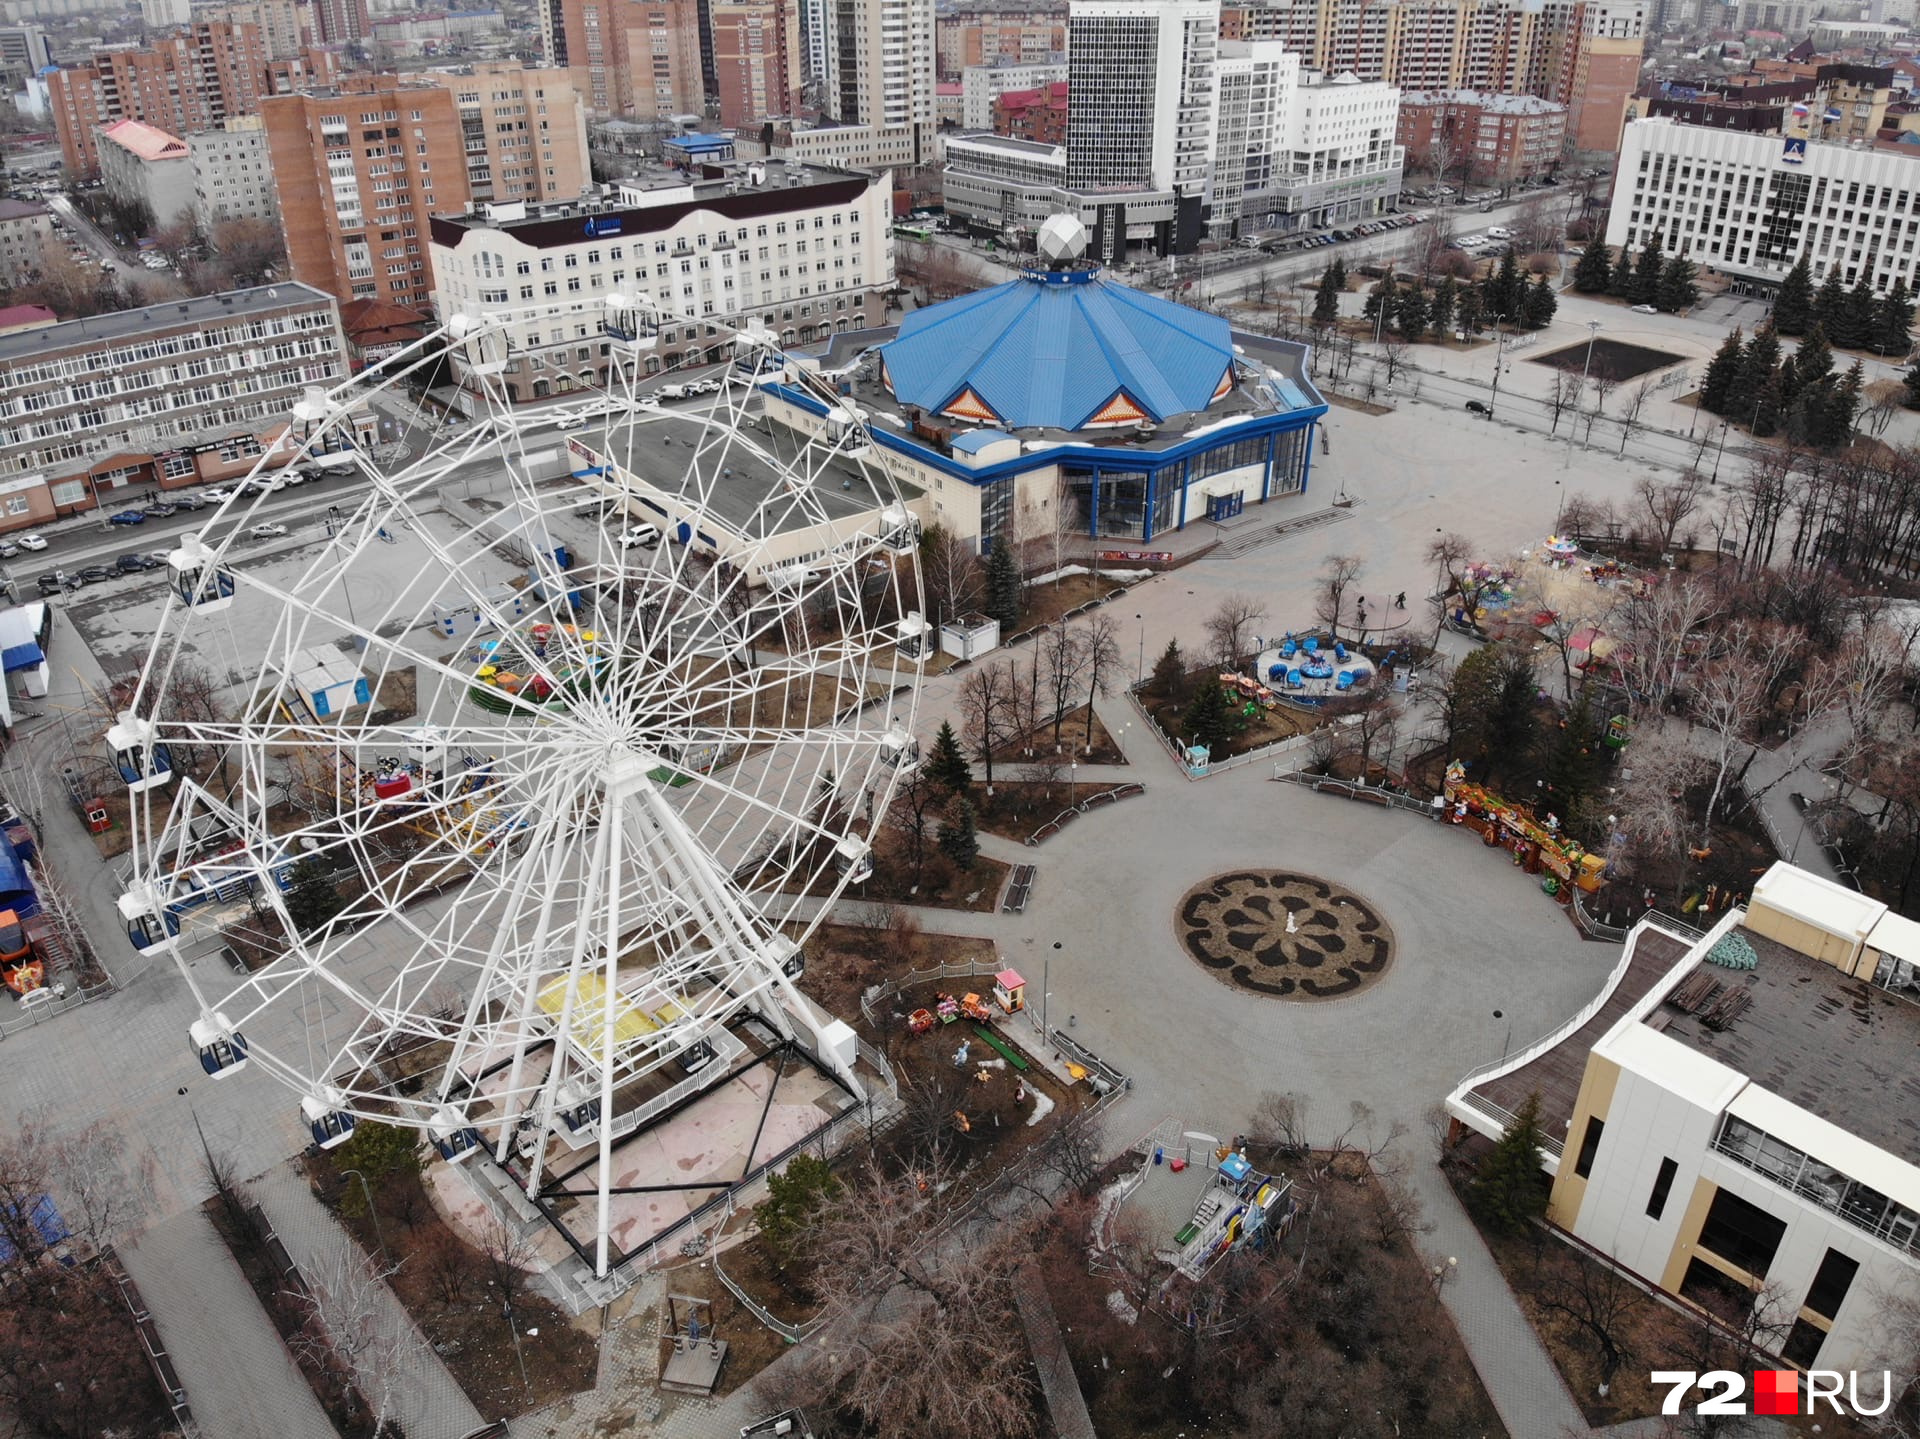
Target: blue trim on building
column 1102, row 458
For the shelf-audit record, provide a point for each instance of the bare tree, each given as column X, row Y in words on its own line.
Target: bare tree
column 1536, row 228
column 1653, row 814
column 355, row 1319
column 991, row 701
column 1230, row 627
column 1670, row 504
column 1065, row 660
column 1730, row 700
column 1338, row 574
column 1101, row 641
column 1601, row 1303
column 921, row 1326
column 1564, row 396
column 1603, row 386
column 916, row 805
column 952, row 575
column 1281, row 1120
column 1635, row 402
column 1661, row 623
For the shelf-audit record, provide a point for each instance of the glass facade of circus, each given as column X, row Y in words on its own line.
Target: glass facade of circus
column 1126, row 493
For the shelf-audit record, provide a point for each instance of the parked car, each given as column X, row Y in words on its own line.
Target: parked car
column 8, row 549
column 1477, row 408
column 216, row 494
column 53, row 584
column 159, row 510
column 129, row 517
column 572, row 422
column 266, row 532
column 134, row 563
column 675, row 391
column 188, row 502
column 648, row 535
column 30, row 541
column 1645, row 310
column 95, row 574
column 290, row 477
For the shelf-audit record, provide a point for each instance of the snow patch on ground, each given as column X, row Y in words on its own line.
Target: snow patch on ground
column 1042, row 1107
column 1068, row 570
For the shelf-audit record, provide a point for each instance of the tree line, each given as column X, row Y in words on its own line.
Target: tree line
column 1801, row 396
column 1650, row 278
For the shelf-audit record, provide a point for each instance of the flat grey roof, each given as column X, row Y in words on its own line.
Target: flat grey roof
column 1840, row 1048
column 126, row 324
column 659, row 452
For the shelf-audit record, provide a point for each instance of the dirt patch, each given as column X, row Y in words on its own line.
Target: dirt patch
column 1255, row 727
column 844, row 960
column 1016, row 810
column 751, row 1346
column 397, row 698
column 1069, row 740
column 1046, row 603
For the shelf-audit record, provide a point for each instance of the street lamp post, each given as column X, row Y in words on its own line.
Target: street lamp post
column 1140, row 676
column 1593, row 331
column 372, row 1213
column 1499, row 355
column 1046, row 993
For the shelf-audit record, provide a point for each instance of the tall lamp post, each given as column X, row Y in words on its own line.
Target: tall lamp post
column 1593, row 330
column 1140, row 677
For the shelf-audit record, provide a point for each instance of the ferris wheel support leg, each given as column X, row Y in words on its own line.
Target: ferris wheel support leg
column 611, row 827
column 523, row 1019
column 743, row 932
column 549, row 1091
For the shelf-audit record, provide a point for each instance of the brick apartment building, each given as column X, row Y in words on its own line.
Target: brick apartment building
column 631, row 59
column 25, row 227
column 757, row 59
column 986, row 33
column 1038, row 115
column 359, row 169
column 1481, row 138
column 179, row 83
column 169, row 395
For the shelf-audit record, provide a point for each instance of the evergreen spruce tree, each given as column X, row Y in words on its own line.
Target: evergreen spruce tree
column 1509, row 1191
column 1757, row 364
column 1003, row 586
column 1722, row 370
column 1793, row 306
column 1385, row 294
column 312, row 896
column 1646, row 272
column 1536, row 310
column 1861, row 308
column 1411, row 313
column 1472, row 309
column 1771, row 405
column 1842, row 404
column 1326, row 300
column 1620, row 284
column 947, row 765
column 1677, row 290
column 1893, row 321
column 1912, row 381
column 1595, row 271
column 1828, row 301
column 1169, row 678
column 1339, row 273
column 1446, row 297
column 959, row 841
column 1812, row 362
column 1506, row 290
column 1573, row 768
column 1208, row 719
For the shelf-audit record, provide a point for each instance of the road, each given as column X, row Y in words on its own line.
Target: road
column 98, row 243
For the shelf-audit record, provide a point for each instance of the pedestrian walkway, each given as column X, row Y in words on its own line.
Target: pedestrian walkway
column 240, row 1380
column 430, row 1405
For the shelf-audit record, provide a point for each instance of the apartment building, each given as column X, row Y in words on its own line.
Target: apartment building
column 1584, row 54
column 976, row 34
column 801, row 251
column 285, row 27
column 167, row 395
column 757, row 59
column 1141, row 73
column 232, row 175
column 357, row 171
column 26, row 227
column 148, row 169
column 23, row 52
column 1725, row 1119
column 1039, row 115
column 1751, row 205
column 1481, row 138
column 340, row 22
column 631, row 59
column 876, row 95
column 179, row 83
column 981, row 85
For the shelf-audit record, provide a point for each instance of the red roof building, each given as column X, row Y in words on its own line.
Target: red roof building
column 1038, row 115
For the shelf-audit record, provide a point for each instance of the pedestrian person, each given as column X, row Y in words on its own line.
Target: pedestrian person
column 1400, row 600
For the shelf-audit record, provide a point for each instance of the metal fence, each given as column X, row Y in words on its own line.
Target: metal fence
column 1351, row 789
column 973, row 968
column 1086, row 806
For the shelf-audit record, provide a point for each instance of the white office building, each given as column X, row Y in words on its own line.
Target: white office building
column 1728, row 1118
column 1141, row 94
column 876, row 90
column 1751, row 204
column 803, row 253
column 981, row 85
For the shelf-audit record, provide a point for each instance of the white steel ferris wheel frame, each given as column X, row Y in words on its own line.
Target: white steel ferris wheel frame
column 589, row 879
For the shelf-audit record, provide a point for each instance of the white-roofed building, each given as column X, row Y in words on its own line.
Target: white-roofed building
column 1734, row 1118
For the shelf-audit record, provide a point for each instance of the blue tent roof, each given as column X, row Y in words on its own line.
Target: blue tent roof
column 1053, row 349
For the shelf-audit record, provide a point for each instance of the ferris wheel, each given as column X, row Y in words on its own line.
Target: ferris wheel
column 524, row 788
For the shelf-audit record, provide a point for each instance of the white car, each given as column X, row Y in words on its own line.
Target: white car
column 30, row 541
column 674, row 392
column 1499, row 232
column 648, row 535
column 218, row 494
column 290, row 476
column 1645, row 310
column 572, row 422
column 266, row 532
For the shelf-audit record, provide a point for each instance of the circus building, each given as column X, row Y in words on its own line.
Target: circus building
column 1068, row 397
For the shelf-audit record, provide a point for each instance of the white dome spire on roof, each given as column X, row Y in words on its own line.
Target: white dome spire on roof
column 1063, row 238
